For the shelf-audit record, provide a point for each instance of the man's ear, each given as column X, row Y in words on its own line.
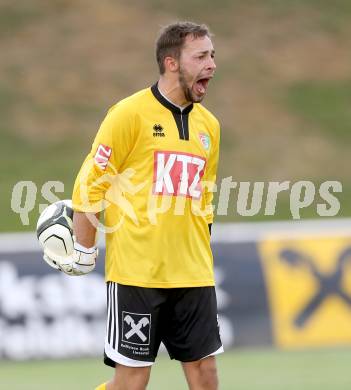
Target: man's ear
column 171, row 64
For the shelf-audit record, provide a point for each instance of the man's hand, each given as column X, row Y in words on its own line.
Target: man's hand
column 81, row 262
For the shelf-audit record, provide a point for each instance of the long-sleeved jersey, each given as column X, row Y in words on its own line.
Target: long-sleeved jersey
column 152, row 169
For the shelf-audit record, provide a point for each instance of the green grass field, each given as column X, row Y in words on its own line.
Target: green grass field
column 264, row 369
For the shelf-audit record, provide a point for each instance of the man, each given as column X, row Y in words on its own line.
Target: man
column 151, row 167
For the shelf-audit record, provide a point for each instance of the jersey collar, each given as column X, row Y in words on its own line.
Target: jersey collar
column 166, row 103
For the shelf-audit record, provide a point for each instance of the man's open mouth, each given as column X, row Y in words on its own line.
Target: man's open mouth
column 201, row 85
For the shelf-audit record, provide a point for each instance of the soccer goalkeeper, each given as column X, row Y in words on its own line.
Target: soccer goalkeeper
column 151, row 168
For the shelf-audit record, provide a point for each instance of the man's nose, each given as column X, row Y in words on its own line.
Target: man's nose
column 211, row 65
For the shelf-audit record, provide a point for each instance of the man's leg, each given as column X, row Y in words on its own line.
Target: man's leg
column 132, row 339
column 129, row 378
column 201, row 374
column 191, row 334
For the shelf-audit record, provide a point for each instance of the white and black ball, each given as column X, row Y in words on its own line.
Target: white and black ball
column 55, row 229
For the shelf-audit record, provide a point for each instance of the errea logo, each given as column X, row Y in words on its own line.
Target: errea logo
column 158, row 131
column 178, row 174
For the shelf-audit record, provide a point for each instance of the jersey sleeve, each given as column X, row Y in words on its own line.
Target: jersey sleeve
column 110, row 149
column 211, row 173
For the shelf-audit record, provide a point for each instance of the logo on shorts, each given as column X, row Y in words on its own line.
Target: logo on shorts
column 136, row 328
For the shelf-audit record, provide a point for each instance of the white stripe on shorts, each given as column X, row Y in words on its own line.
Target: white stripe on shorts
column 112, row 336
column 219, row 350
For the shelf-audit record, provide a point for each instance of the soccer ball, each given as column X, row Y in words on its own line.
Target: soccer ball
column 54, row 231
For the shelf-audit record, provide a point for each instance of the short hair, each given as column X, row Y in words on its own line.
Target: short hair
column 172, row 37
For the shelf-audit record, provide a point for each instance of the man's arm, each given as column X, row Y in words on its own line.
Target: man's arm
column 83, row 228
column 93, row 181
column 211, row 173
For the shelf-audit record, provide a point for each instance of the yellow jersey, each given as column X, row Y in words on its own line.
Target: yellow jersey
column 152, row 169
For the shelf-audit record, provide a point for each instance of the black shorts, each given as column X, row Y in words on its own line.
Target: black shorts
column 139, row 319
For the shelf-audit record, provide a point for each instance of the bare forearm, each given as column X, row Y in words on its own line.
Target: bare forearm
column 84, row 229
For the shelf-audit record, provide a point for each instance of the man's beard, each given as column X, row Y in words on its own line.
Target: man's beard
column 188, row 93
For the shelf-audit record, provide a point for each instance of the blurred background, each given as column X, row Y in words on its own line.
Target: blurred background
column 282, row 92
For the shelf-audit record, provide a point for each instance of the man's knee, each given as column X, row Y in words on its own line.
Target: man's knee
column 202, row 374
column 129, row 378
column 208, row 374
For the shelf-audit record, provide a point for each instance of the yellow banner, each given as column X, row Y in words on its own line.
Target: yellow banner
column 309, row 290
